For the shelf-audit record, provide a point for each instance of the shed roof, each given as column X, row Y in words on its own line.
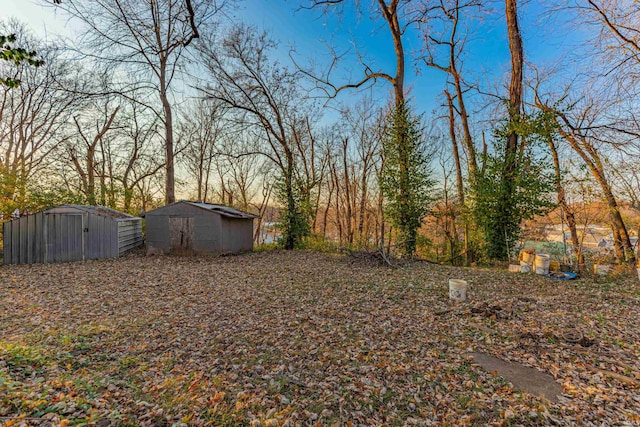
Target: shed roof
column 220, row 209
column 96, row 210
column 224, row 210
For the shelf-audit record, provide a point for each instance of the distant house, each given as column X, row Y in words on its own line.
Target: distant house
column 70, row 233
column 195, row 227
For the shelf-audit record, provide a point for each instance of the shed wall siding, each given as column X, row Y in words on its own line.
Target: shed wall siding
column 238, row 235
column 129, row 235
column 6, row 238
column 97, row 244
column 66, row 234
column 22, row 238
column 208, row 227
column 157, row 234
column 206, row 230
column 213, row 233
column 64, row 237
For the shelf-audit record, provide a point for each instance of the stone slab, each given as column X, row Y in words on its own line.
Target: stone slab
column 524, row 378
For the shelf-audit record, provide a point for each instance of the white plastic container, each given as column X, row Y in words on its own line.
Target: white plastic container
column 542, row 264
column 457, row 289
column 638, row 270
column 525, row 267
column 601, row 269
column 515, row 268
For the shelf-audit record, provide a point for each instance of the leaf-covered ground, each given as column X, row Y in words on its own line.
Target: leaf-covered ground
column 276, row 338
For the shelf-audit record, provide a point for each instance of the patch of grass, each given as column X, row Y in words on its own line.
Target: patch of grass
column 501, row 382
column 90, row 387
column 127, row 362
column 277, row 386
column 463, row 401
column 265, row 247
column 317, row 243
column 20, row 359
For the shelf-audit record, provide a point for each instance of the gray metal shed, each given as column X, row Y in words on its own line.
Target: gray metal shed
column 195, row 227
column 70, row 233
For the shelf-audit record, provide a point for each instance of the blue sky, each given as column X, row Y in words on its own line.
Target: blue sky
column 42, row 20
column 546, row 38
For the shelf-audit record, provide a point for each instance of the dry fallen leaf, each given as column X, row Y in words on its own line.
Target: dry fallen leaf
column 294, row 338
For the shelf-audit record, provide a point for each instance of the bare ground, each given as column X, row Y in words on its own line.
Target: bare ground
column 281, row 338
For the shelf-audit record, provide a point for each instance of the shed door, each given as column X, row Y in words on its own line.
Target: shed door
column 181, row 234
column 64, row 237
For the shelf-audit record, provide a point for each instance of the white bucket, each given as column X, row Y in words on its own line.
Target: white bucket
column 542, row 263
column 525, row 267
column 601, row 269
column 457, row 289
column 514, row 268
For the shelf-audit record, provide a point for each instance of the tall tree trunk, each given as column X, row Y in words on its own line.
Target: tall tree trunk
column 515, row 87
column 91, row 175
column 505, row 210
column 363, row 207
column 336, row 185
column 623, row 248
column 325, row 216
column 200, row 175
column 459, row 180
column 454, row 146
column 462, row 108
column 390, row 14
column 170, row 183
column 464, row 118
column 347, row 192
column 206, row 183
column 291, row 237
column 562, row 201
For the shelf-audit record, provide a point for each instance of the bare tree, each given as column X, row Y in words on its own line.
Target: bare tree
column 408, row 208
column 268, row 98
column 446, row 211
column 83, row 150
column 397, row 15
column 583, row 134
column 450, row 43
column 567, row 210
column 148, row 38
column 358, row 151
column 496, row 208
column 627, row 179
column 261, row 206
column 135, row 160
column 33, row 115
column 516, row 85
column 239, row 168
column 201, row 131
column 618, row 35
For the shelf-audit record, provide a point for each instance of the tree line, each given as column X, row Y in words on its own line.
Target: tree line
column 155, row 95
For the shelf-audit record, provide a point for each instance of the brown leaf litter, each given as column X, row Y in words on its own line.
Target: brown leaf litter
column 293, row 338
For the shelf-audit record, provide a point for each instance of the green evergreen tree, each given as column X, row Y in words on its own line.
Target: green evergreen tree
column 295, row 218
column 502, row 197
column 406, row 177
